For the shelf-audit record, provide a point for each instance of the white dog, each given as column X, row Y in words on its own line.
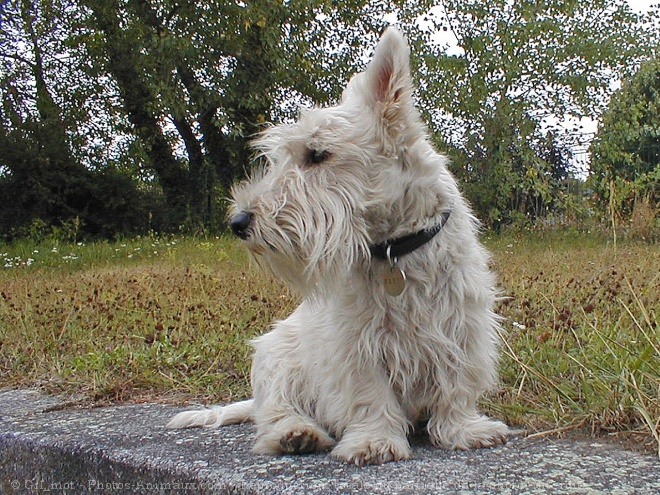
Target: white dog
column 357, row 211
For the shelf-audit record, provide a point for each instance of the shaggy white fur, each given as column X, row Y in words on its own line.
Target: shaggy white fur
column 354, row 368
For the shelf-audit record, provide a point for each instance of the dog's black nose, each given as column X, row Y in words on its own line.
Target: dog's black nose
column 240, row 223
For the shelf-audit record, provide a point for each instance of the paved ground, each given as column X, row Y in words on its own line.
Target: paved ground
column 126, row 449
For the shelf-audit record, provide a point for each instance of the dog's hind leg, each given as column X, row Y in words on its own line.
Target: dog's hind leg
column 238, row 412
column 465, row 430
column 467, row 371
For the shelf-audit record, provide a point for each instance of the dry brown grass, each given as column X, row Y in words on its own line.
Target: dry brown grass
column 149, row 320
column 174, row 326
column 583, row 339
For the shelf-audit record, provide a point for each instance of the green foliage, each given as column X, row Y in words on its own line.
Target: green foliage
column 519, row 70
column 49, row 111
column 161, row 93
column 626, row 151
column 120, row 106
column 582, row 330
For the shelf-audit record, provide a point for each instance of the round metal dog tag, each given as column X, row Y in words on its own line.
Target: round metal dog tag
column 394, row 281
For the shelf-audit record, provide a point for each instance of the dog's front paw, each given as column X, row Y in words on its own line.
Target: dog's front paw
column 473, row 433
column 372, row 451
column 292, row 439
column 305, row 441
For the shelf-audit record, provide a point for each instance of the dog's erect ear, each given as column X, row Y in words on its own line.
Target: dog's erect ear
column 386, row 87
column 388, row 73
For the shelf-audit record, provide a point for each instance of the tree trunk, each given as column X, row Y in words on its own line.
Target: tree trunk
column 57, row 178
column 138, row 99
column 214, row 156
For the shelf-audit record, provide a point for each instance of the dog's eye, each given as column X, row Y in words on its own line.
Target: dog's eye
column 315, row 156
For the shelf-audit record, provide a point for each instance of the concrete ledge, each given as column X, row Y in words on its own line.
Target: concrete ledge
column 126, row 449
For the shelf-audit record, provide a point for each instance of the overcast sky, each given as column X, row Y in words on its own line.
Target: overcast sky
column 642, row 5
column 581, row 158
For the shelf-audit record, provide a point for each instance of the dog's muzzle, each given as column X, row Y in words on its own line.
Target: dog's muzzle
column 240, row 224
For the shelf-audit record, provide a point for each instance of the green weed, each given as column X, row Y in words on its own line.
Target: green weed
column 581, row 342
column 170, row 319
column 145, row 318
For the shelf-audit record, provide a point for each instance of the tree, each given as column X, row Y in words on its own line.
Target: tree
column 42, row 177
column 125, row 62
column 626, row 151
column 519, row 70
column 165, row 93
column 54, row 131
column 197, row 80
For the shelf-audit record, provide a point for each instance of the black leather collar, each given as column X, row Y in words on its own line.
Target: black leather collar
column 395, row 248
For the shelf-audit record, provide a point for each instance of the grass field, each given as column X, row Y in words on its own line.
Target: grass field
column 168, row 320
